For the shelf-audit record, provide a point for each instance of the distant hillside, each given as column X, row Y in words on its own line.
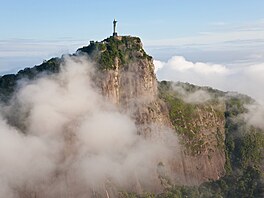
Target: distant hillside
column 243, row 144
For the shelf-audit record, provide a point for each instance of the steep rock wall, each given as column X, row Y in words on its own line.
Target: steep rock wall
column 130, row 83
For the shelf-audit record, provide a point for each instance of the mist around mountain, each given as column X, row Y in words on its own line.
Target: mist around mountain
column 97, row 123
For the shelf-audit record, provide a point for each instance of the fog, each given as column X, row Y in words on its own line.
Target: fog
column 255, row 115
column 196, row 97
column 59, row 137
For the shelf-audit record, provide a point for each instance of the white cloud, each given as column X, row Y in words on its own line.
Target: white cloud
column 179, row 63
column 245, row 79
column 255, row 115
column 197, row 97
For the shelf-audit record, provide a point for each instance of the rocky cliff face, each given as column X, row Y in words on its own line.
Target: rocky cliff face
column 203, row 157
column 128, row 80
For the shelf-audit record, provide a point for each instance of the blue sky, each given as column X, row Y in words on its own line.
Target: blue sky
column 206, row 30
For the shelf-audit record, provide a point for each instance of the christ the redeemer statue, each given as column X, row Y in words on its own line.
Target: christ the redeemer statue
column 114, row 23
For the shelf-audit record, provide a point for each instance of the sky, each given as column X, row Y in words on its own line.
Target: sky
column 228, row 33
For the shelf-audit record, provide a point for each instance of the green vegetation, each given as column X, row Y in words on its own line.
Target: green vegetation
column 180, row 192
column 245, row 185
column 244, row 153
column 8, row 83
column 122, row 49
column 135, row 195
column 48, row 67
column 113, row 51
column 186, row 118
column 244, row 144
column 7, row 86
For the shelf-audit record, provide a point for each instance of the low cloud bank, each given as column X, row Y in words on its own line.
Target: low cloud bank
column 244, row 79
